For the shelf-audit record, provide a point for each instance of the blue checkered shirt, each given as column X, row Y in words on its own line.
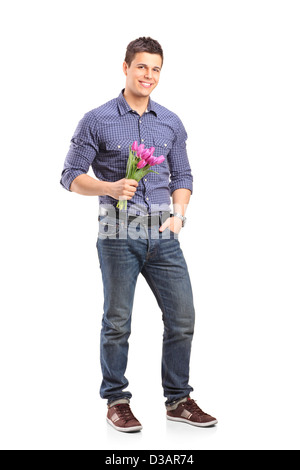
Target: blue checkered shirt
column 102, row 140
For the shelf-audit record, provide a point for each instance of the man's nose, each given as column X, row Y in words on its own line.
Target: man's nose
column 148, row 73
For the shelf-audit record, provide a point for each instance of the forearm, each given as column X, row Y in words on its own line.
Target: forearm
column 181, row 198
column 88, row 186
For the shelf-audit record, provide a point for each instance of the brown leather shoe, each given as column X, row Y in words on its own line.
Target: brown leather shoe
column 187, row 411
column 121, row 418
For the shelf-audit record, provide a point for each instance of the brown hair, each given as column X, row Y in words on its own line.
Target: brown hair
column 142, row 45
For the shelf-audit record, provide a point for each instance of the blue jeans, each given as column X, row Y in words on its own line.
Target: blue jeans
column 124, row 253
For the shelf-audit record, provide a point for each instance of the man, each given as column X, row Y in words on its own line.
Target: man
column 143, row 239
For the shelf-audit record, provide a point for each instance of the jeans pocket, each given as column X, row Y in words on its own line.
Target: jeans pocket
column 169, row 234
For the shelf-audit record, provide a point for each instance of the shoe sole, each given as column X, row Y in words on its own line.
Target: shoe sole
column 199, row 425
column 118, row 428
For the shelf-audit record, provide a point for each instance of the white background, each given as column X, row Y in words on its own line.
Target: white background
column 232, row 74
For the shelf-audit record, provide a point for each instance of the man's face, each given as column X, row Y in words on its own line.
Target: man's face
column 143, row 74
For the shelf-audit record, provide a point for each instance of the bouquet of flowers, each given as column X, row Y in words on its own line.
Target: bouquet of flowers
column 139, row 164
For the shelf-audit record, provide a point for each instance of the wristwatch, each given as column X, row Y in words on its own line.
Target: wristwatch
column 181, row 217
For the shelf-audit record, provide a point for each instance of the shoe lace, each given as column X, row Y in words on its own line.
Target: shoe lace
column 125, row 412
column 192, row 406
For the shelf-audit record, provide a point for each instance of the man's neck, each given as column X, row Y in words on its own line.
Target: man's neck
column 137, row 103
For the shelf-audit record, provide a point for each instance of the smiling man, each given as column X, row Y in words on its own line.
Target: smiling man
column 143, row 240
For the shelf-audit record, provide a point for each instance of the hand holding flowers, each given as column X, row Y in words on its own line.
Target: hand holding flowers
column 139, row 164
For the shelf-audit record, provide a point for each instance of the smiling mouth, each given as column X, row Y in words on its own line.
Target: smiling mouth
column 146, row 84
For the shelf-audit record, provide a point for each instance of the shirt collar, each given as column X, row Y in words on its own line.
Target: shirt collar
column 125, row 108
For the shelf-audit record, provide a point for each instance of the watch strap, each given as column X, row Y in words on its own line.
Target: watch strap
column 181, row 217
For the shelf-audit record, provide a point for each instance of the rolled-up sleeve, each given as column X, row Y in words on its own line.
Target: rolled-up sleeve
column 83, row 150
column 180, row 170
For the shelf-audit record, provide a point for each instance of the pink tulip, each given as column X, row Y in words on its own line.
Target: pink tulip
column 159, row 160
column 141, row 164
column 155, row 161
column 151, row 161
column 146, row 154
column 134, row 146
column 140, row 150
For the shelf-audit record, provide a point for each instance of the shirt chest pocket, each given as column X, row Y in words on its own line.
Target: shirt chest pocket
column 113, row 158
column 162, row 146
column 117, row 146
column 115, row 152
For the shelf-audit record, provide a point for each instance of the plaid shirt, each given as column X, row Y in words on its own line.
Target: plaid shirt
column 102, row 140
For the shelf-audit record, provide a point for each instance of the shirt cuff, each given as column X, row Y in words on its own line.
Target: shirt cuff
column 181, row 184
column 68, row 177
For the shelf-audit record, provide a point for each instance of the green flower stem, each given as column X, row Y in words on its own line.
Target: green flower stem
column 132, row 172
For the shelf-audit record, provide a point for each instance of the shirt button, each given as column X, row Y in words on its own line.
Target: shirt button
column 145, row 179
column 140, row 121
column 142, row 140
column 119, row 146
column 165, row 145
column 147, row 199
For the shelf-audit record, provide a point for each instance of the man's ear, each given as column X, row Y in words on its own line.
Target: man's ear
column 125, row 68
